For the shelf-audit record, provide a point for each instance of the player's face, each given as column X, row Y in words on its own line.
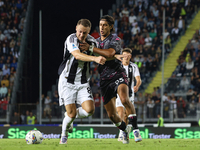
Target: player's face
column 104, row 28
column 127, row 56
column 82, row 32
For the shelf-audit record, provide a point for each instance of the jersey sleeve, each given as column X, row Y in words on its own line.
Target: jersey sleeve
column 93, row 41
column 115, row 43
column 70, row 44
column 136, row 71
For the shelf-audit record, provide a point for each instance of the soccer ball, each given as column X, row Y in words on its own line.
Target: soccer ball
column 34, row 137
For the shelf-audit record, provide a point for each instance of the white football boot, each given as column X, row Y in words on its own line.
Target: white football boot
column 120, row 137
column 137, row 135
column 126, row 135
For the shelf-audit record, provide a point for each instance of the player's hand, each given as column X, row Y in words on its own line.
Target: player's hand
column 84, row 46
column 119, row 57
column 100, row 60
column 135, row 89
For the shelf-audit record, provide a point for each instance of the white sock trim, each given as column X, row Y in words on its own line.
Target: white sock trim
column 66, row 124
column 81, row 113
column 131, row 115
column 118, row 124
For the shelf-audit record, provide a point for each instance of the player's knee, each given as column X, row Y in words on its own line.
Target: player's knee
column 71, row 113
column 90, row 111
column 124, row 100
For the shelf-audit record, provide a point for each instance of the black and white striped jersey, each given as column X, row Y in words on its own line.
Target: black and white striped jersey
column 75, row 70
column 132, row 71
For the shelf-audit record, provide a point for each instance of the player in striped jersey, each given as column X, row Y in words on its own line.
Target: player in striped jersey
column 74, row 76
column 113, row 79
column 132, row 72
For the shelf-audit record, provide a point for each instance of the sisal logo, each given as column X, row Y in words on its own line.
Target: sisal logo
column 184, row 133
column 89, row 134
column 16, row 133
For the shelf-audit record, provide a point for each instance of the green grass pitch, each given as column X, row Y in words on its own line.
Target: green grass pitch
column 102, row 144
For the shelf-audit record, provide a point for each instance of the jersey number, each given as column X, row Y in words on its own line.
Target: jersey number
column 88, row 89
column 119, row 81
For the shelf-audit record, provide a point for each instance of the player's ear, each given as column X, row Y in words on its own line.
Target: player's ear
column 112, row 27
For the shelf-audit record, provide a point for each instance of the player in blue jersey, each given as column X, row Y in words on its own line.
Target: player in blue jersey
column 113, row 78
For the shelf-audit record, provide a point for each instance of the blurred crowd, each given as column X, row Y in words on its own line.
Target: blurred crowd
column 139, row 24
column 19, row 118
column 12, row 21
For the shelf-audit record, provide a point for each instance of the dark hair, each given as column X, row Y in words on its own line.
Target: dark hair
column 128, row 50
column 85, row 23
column 109, row 19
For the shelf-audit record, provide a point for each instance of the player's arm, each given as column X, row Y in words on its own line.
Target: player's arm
column 119, row 57
column 138, row 83
column 108, row 53
column 83, row 57
column 137, row 78
column 75, row 51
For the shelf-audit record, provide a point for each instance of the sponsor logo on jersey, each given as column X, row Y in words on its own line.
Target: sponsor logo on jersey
column 102, row 44
column 90, row 96
column 74, row 46
column 117, row 39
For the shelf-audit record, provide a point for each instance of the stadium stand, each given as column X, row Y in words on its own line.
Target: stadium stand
column 12, row 21
column 139, row 25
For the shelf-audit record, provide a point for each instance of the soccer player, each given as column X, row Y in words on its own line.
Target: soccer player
column 132, row 72
column 113, row 79
column 74, row 76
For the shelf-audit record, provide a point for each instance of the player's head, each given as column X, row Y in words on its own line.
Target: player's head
column 127, row 52
column 83, row 29
column 106, row 25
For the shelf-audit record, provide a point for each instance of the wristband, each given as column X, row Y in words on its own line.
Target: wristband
column 91, row 48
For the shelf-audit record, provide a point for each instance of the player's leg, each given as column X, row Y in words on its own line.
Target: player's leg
column 112, row 114
column 125, row 118
column 67, row 96
column 86, row 110
column 70, row 115
column 85, row 98
column 120, row 112
column 114, row 117
column 130, row 109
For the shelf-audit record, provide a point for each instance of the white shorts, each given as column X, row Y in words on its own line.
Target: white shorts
column 119, row 103
column 69, row 93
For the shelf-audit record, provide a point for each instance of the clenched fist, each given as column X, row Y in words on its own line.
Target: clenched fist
column 100, row 60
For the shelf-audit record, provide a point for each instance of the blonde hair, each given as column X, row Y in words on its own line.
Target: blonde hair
column 128, row 50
